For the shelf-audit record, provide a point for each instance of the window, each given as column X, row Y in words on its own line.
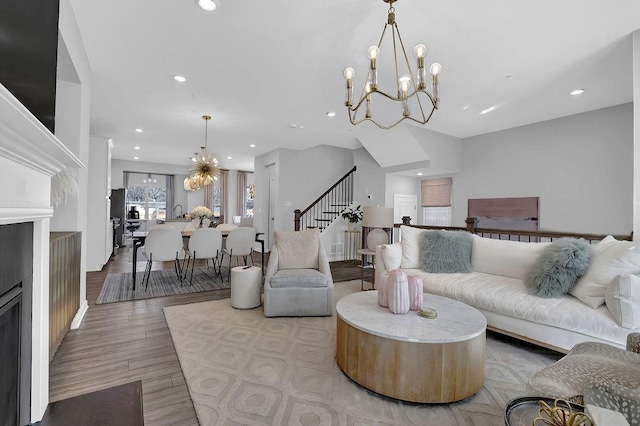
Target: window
column 436, row 202
column 149, row 198
column 248, row 205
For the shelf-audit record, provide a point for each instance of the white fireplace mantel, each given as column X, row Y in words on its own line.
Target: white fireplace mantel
column 29, row 156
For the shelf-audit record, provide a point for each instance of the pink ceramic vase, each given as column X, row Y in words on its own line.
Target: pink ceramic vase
column 415, row 292
column 383, row 289
column 398, row 292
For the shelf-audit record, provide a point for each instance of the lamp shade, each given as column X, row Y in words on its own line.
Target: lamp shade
column 377, row 217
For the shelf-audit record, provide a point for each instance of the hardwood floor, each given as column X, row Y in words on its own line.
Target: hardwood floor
column 123, row 342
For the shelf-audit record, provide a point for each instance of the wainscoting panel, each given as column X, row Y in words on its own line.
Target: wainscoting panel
column 64, row 285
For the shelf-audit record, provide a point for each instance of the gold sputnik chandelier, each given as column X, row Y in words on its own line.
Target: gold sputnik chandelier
column 203, row 167
column 410, row 87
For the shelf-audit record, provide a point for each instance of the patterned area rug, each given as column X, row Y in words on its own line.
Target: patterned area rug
column 243, row 368
column 117, row 287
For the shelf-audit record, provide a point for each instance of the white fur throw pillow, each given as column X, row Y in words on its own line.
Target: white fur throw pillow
column 298, row 250
column 609, row 258
column 623, row 300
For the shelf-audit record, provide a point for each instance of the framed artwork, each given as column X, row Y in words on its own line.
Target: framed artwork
column 518, row 213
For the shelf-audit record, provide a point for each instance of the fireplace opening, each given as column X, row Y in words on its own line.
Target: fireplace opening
column 16, row 285
column 10, row 342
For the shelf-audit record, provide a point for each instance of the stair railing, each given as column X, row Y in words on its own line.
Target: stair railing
column 327, row 207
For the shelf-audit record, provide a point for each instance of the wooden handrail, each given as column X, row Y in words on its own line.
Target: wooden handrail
column 472, row 227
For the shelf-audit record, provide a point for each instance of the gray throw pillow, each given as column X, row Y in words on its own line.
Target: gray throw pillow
column 558, row 268
column 446, row 252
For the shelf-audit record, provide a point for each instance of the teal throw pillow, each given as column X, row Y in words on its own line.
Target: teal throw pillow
column 558, row 268
column 446, row 252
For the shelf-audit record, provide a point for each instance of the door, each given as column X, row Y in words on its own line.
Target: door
column 272, row 210
column 405, row 205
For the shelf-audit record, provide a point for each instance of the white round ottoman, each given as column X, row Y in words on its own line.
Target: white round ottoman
column 246, row 287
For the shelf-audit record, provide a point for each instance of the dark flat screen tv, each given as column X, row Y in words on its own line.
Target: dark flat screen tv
column 28, row 54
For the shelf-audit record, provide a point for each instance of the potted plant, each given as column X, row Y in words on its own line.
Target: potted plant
column 352, row 216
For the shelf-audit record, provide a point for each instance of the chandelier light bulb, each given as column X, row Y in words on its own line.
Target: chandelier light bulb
column 208, row 5
column 420, row 51
column 435, row 69
column 349, row 73
column 373, row 52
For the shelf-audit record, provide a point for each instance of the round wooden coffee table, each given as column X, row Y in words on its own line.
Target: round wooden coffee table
column 409, row 357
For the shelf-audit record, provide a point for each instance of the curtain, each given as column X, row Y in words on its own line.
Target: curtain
column 125, row 182
column 436, row 192
column 224, row 207
column 208, row 196
column 170, row 211
column 241, row 200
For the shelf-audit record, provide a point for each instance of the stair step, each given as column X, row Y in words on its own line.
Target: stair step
column 315, row 227
column 323, row 220
column 330, row 212
column 340, row 205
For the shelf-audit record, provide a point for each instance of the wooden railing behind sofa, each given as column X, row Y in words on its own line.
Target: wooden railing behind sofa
column 505, row 234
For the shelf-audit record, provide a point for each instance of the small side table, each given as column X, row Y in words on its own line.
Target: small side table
column 246, row 287
column 364, row 253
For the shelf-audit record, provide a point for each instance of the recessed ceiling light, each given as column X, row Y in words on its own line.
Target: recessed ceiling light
column 179, row 78
column 253, row 145
column 331, row 114
column 136, row 147
column 136, row 158
column 577, row 92
column 466, row 107
column 229, row 158
column 139, row 130
column 484, row 111
column 208, row 5
column 420, row 173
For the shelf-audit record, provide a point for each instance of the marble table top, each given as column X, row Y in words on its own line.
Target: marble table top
column 456, row 322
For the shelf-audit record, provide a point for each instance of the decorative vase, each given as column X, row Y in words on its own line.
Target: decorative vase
column 398, row 293
column 383, row 290
column 415, row 292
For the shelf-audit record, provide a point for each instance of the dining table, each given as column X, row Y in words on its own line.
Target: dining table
column 139, row 238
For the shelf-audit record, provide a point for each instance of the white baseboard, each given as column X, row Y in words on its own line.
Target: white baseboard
column 77, row 320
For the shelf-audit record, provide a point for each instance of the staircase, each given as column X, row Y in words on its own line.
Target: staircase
column 327, row 207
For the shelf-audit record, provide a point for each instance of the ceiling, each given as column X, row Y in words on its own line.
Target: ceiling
column 269, row 71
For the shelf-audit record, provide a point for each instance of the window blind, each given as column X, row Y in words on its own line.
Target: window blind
column 436, row 192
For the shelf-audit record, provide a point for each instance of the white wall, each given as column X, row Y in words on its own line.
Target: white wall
column 370, row 180
column 99, row 157
column 636, row 135
column 580, row 166
column 73, row 130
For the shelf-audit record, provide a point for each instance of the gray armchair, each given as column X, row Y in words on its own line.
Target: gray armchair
column 597, row 374
column 298, row 278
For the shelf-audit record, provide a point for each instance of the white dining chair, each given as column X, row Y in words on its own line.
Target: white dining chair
column 225, row 227
column 162, row 245
column 239, row 243
column 205, row 243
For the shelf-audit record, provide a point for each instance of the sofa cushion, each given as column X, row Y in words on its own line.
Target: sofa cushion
column 508, row 296
column 298, row 249
column 410, row 242
column 623, row 300
column 609, row 258
column 446, row 251
column 558, row 268
column 391, row 256
column 287, row 278
column 503, row 257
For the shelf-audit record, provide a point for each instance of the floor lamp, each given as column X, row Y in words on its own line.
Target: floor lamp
column 377, row 218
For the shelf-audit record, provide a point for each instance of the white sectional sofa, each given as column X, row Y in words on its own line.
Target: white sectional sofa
column 496, row 288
